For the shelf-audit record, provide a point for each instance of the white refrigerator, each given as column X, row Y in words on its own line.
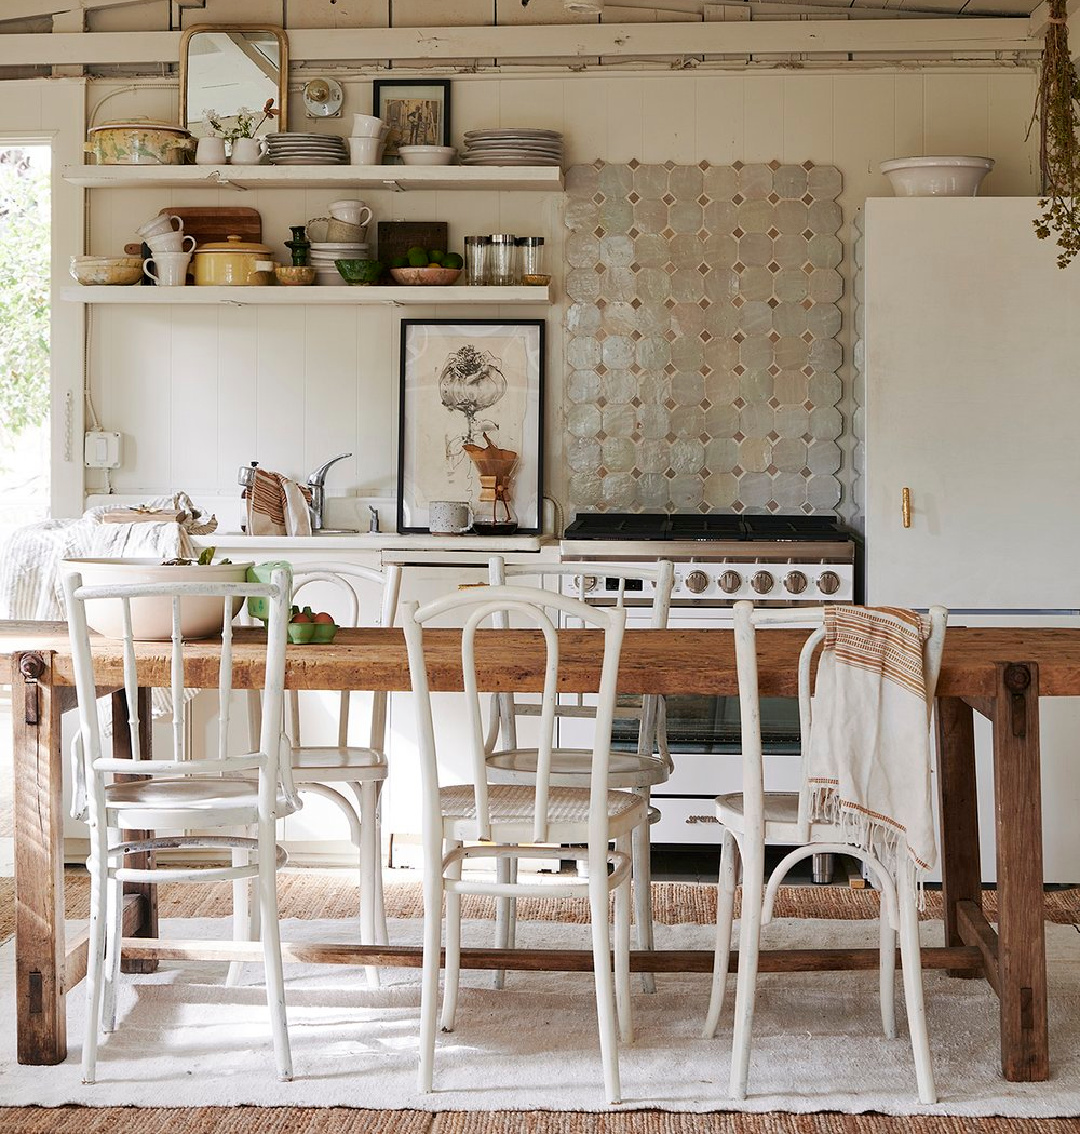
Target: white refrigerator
column 970, row 350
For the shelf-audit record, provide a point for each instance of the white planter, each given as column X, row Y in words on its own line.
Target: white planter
column 936, row 176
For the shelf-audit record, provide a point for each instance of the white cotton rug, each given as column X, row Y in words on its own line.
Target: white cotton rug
column 185, row 1039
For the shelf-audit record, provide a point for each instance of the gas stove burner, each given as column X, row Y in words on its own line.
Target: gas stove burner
column 713, row 526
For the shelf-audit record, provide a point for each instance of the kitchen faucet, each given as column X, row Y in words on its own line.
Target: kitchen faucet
column 316, row 483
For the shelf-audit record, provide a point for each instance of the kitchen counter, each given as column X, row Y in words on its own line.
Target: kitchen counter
column 420, row 543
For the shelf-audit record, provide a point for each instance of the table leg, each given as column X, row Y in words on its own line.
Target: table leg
column 1025, row 1055
column 123, row 749
column 961, row 871
column 41, row 1020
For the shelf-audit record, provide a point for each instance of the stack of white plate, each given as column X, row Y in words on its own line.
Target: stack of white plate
column 306, row 149
column 513, row 146
column 323, row 255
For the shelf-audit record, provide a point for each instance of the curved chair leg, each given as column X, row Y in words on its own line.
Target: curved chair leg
column 725, row 908
column 642, row 885
column 429, row 981
column 114, row 903
column 887, row 975
column 271, row 938
column 913, row 991
column 753, row 856
column 623, row 1002
column 95, row 961
column 605, row 1000
column 451, row 980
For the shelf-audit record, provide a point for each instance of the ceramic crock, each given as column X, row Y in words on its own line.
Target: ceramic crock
column 233, row 263
column 139, row 143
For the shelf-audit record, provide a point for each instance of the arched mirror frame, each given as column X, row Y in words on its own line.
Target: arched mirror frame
column 280, row 102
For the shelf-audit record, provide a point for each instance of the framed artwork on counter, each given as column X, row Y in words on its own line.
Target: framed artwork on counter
column 416, row 110
column 470, row 422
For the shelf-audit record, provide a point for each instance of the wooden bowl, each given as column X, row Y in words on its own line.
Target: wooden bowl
column 425, row 277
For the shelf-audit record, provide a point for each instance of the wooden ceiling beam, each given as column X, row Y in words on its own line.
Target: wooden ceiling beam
column 629, row 41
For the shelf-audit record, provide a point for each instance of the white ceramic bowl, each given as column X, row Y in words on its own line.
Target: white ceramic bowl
column 426, row 155
column 936, row 176
column 151, row 617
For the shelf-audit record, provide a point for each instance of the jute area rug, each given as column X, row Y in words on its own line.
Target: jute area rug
column 307, row 895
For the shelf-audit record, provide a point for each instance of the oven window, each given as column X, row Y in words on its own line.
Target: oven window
column 712, row 724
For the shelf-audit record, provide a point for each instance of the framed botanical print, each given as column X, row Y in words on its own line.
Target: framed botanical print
column 417, row 112
column 470, row 426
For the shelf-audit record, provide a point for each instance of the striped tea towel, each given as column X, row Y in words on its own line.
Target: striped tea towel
column 277, row 505
column 868, row 759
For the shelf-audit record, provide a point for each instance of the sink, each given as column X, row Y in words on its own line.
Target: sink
column 341, row 531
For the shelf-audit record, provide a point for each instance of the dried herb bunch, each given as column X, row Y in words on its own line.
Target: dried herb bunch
column 1059, row 139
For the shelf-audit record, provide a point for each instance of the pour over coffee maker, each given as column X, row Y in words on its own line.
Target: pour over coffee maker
column 493, row 513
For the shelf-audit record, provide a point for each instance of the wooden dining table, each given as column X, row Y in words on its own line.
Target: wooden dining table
column 999, row 673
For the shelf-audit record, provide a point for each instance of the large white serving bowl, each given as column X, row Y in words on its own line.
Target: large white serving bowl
column 936, row 176
column 151, row 617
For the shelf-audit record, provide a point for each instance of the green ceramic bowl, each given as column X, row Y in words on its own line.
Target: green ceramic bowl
column 360, row 272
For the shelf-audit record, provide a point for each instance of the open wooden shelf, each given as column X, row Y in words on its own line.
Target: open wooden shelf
column 315, row 295
column 398, row 178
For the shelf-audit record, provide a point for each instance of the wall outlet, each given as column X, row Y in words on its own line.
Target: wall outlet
column 101, row 450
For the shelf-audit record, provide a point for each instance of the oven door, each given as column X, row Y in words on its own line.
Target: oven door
column 704, row 738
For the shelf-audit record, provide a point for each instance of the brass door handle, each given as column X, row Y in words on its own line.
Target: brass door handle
column 905, row 506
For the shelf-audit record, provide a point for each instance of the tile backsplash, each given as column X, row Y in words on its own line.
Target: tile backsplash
column 701, row 337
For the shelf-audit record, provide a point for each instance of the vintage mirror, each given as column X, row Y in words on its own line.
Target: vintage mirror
column 226, row 67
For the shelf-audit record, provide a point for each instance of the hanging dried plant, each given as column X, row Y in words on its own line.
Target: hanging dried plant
column 1059, row 139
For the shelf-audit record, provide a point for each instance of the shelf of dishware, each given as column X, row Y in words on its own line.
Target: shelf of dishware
column 398, row 178
column 315, row 295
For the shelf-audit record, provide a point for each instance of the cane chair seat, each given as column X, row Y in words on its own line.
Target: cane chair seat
column 570, row 768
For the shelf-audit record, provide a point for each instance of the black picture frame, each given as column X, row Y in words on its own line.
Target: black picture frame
column 441, row 409
column 416, row 110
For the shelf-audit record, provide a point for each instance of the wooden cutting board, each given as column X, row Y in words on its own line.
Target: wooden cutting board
column 213, row 224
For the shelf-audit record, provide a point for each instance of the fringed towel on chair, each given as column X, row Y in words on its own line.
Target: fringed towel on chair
column 277, row 505
column 868, row 763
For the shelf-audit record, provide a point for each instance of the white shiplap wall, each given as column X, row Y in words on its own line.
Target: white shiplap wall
column 198, row 391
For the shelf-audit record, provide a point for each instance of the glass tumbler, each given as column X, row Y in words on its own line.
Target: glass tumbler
column 477, row 268
column 503, row 271
column 530, row 255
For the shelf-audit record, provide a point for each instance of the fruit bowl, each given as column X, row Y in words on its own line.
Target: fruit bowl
column 441, row 277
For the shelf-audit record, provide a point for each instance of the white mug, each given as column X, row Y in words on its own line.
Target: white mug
column 171, row 268
column 158, row 224
column 351, row 212
column 170, row 242
column 210, row 151
column 449, row 517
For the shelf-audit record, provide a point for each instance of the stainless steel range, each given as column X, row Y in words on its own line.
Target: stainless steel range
column 771, row 559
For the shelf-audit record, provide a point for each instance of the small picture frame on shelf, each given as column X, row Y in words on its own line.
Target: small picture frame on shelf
column 417, row 112
column 471, row 403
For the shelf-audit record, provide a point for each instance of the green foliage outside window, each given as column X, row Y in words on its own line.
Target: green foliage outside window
column 24, row 293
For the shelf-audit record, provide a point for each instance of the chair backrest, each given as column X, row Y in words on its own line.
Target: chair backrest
column 539, row 609
column 349, row 610
column 93, row 763
column 573, row 579
column 748, row 619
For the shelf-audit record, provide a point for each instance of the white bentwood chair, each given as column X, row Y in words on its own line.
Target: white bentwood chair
column 754, row 817
column 250, row 789
column 510, row 762
column 510, row 818
column 330, row 770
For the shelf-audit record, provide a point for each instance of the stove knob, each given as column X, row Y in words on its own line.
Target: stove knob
column 828, row 582
column 730, row 582
column 762, row 582
column 586, row 582
column 696, row 582
column 795, row 582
